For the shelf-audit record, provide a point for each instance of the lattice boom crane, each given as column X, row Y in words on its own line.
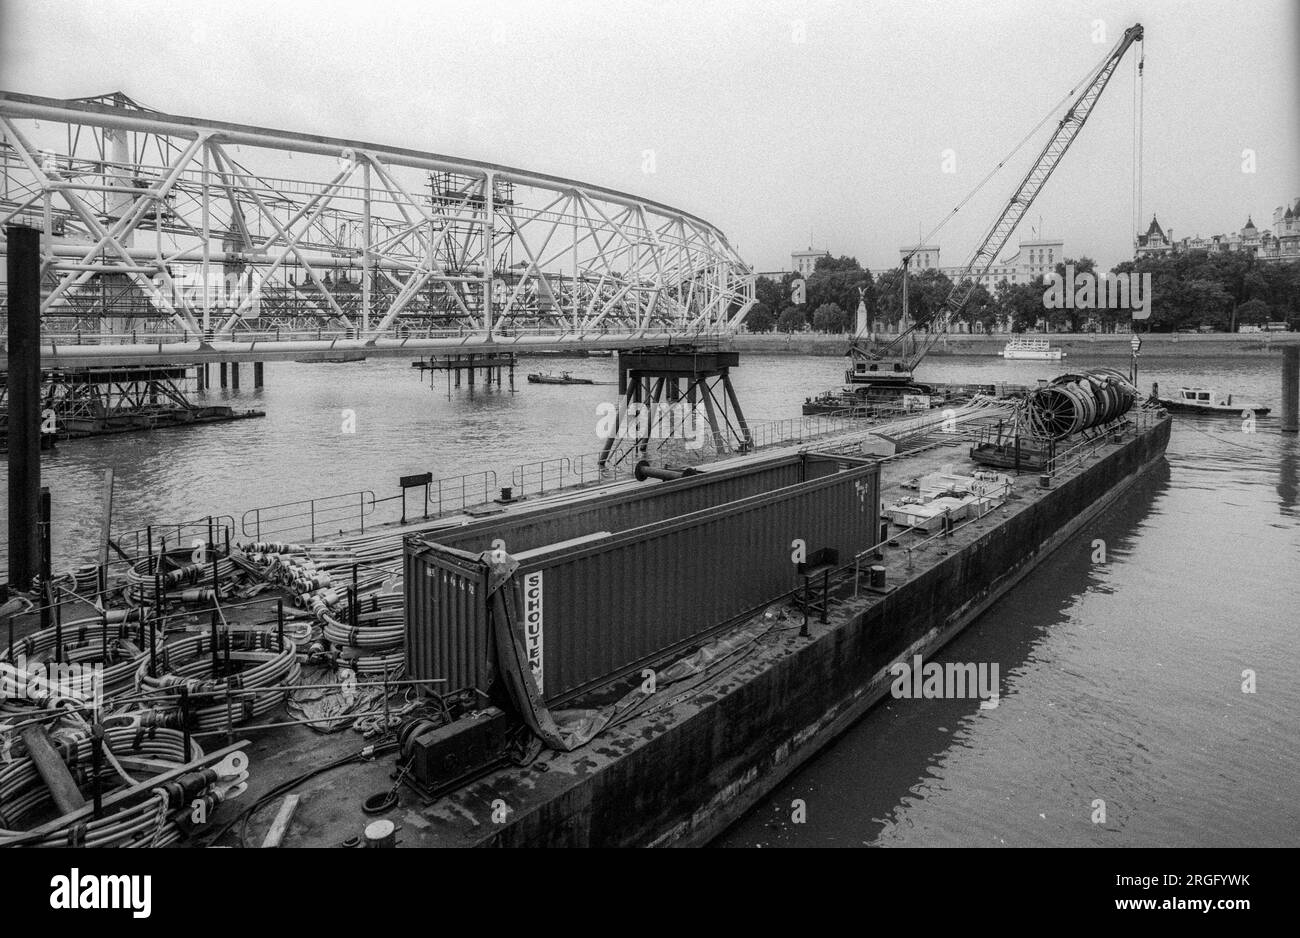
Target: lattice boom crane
column 1000, row 233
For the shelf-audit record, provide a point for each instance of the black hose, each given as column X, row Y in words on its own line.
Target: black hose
column 246, row 815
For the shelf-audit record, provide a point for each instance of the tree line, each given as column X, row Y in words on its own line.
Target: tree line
column 1220, row 291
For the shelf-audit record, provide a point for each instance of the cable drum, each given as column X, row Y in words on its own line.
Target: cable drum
column 1073, row 403
column 119, row 648
column 188, row 663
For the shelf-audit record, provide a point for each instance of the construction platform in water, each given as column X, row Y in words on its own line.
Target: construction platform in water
column 671, row 695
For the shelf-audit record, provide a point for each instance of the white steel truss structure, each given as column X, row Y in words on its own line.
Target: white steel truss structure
column 172, row 238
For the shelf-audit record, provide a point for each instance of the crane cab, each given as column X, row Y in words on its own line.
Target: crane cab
column 884, row 371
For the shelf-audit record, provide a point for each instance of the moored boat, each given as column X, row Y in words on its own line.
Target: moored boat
column 1209, row 401
column 562, row 378
column 1032, row 350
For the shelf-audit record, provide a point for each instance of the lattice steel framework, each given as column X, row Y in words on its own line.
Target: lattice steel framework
column 213, row 238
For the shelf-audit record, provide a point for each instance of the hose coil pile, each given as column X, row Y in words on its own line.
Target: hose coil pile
column 187, row 663
column 26, row 799
column 88, row 642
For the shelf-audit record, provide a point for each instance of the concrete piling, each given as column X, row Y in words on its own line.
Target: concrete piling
column 1291, row 389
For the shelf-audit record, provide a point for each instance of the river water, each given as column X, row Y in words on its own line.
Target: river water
column 1121, row 681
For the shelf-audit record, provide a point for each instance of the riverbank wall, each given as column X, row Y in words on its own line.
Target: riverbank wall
column 1090, row 345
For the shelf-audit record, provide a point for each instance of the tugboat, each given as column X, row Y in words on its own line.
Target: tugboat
column 1208, row 401
column 562, row 378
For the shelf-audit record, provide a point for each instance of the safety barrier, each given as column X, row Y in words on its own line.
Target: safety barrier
column 310, row 517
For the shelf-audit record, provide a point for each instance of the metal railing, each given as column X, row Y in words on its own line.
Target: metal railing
column 1138, row 419
column 142, row 542
column 798, row 429
column 309, row 516
column 504, row 334
column 532, row 478
column 460, row 492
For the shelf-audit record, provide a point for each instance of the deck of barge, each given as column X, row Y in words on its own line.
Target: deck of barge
column 554, row 792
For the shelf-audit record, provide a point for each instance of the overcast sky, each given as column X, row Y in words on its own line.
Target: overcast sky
column 777, row 121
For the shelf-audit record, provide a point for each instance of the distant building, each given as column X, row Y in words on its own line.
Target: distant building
column 1033, row 259
column 805, row 262
column 1155, row 242
column 924, row 256
column 1282, row 244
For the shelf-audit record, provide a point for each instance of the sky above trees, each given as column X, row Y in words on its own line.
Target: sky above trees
column 783, row 123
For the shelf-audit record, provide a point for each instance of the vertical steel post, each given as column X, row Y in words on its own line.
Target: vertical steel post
column 185, row 719
column 45, row 572
column 24, row 379
column 153, row 644
column 96, row 765
column 216, row 643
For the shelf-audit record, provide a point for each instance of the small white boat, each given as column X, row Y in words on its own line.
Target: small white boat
column 1208, row 401
column 1033, row 349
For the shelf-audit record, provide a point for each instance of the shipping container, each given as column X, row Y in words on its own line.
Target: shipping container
column 610, row 584
column 560, row 518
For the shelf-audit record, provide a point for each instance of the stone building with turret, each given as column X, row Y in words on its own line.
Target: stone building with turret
column 1280, row 244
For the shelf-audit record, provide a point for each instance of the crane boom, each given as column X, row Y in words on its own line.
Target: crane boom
column 1000, row 232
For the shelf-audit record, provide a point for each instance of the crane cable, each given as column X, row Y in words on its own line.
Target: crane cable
column 1067, row 97
column 1141, row 89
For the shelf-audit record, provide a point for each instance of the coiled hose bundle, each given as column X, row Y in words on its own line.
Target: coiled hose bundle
column 119, row 647
column 380, row 622
column 24, row 797
column 142, row 580
column 188, row 663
